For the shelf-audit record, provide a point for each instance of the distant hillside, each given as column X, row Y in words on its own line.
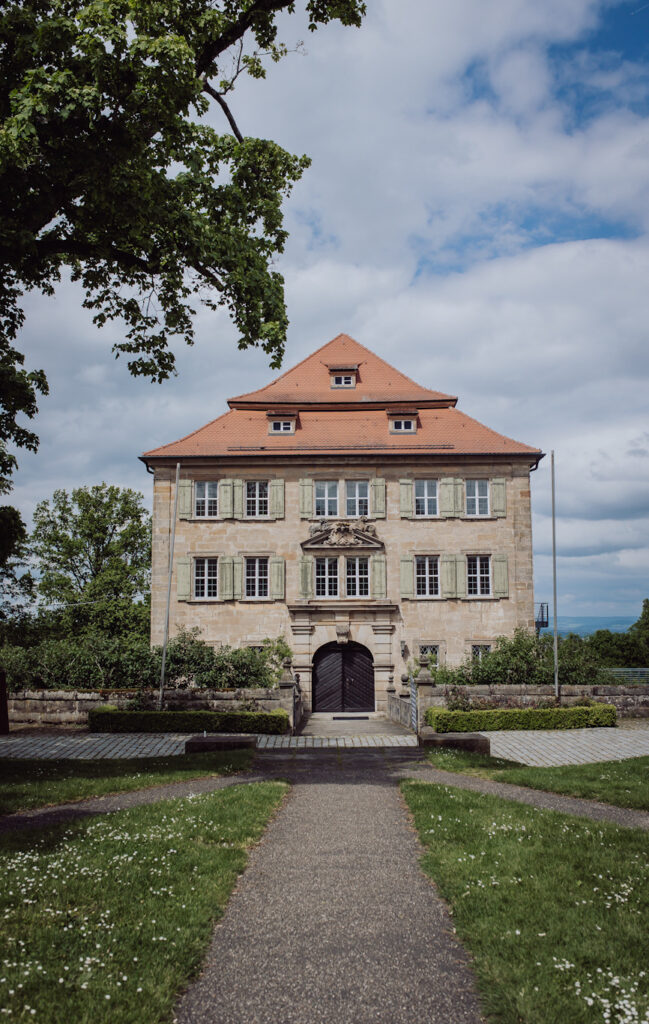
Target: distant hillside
column 584, row 625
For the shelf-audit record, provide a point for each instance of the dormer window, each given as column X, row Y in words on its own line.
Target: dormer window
column 403, row 423
column 343, row 380
column 281, row 423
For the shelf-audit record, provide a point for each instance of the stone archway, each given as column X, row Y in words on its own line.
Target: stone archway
column 343, row 678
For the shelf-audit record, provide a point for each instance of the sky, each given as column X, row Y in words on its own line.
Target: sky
column 477, row 214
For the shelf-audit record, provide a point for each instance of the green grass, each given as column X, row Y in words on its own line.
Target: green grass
column 27, row 784
column 554, row 909
column 105, row 921
column 623, row 783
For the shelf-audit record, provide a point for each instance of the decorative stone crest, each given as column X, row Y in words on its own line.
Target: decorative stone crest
column 342, row 533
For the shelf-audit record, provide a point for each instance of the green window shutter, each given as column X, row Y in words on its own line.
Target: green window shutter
column 237, row 577
column 378, row 498
column 499, row 497
column 183, row 579
column 226, row 501
column 277, row 572
column 449, row 576
column 226, row 580
column 500, row 571
column 306, row 499
column 407, row 575
column 185, row 499
column 276, row 500
column 447, row 497
column 458, row 497
column 237, row 499
column 460, row 575
column 379, row 576
column 405, row 498
column 306, row 576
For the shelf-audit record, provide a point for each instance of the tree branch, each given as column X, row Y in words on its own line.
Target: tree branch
column 53, row 245
column 226, row 110
column 235, row 31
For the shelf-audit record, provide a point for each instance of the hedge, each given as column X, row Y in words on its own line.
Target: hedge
column 442, row 720
column 269, row 722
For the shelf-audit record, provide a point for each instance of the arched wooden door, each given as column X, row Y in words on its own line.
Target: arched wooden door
column 343, row 678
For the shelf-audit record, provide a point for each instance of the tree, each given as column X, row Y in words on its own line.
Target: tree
column 16, row 582
column 93, row 555
column 108, row 167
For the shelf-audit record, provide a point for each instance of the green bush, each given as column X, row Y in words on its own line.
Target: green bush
column 442, row 720
column 239, row 667
column 269, row 722
column 92, row 661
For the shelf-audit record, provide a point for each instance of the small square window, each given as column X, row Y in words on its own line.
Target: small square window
column 431, row 653
column 343, row 380
column 282, row 426
column 403, row 426
column 478, row 651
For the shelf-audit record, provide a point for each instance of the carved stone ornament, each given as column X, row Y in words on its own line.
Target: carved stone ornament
column 342, row 534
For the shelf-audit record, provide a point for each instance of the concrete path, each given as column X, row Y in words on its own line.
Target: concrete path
column 333, row 920
column 549, row 747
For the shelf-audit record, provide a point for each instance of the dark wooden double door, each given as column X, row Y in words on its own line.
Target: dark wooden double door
column 343, row 678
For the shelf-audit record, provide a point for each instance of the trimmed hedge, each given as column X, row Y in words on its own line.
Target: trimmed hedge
column 442, row 720
column 269, row 722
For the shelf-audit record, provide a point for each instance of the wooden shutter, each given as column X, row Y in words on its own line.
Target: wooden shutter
column 447, row 497
column 500, row 570
column 378, row 498
column 499, row 497
column 185, row 499
column 237, row 577
column 458, row 497
column 183, row 579
column 226, row 500
column 379, row 576
column 277, row 573
column 448, row 576
column 405, row 498
column 306, row 499
column 460, row 575
column 276, row 499
column 407, row 575
column 226, row 579
column 237, row 499
column 306, row 576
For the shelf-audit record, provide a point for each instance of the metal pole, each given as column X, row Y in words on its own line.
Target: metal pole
column 171, row 563
column 554, row 586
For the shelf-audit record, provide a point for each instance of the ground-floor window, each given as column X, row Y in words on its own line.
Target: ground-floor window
column 478, row 575
column 256, row 577
column 206, row 577
column 429, row 652
column 326, row 577
column 358, row 577
column 478, row 651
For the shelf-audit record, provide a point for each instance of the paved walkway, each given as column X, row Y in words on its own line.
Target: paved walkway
column 548, row 747
column 92, row 745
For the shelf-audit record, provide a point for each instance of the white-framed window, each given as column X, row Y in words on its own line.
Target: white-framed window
column 405, row 426
column 282, row 426
column 358, row 498
column 206, row 579
column 256, row 498
column 326, row 577
column 326, row 498
column 358, row 577
column 427, row 575
column 206, row 499
column 425, row 497
column 256, row 577
column 477, row 497
column 343, row 380
column 478, row 651
column 431, row 653
column 478, row 575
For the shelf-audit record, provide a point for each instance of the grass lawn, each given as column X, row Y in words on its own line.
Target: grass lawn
column 554, row 909
column 623, row 783
column 105, row 921
column 28, row 784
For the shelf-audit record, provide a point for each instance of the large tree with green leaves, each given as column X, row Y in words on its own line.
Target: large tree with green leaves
column 109, row 167
column 92, row 552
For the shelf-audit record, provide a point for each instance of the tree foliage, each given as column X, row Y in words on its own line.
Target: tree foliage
column 92, row 552
column 109, row 167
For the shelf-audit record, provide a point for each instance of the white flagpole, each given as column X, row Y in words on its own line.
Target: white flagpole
column 171, row 563
column 554, row 586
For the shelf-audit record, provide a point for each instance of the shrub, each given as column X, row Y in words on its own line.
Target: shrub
column 578, row 717
column 91, row 661
column 268, row 722
column 239, row 667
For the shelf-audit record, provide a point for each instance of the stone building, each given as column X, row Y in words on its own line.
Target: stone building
column 362, row 516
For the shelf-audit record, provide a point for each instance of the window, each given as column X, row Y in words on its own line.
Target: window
column 427, row 575
column 478, row 651
column 282, row 426
column 343, row 380
column 358, row 500
column 358, row 577
column 431, row 653
column 403, row 426
column 205, row 577
column 256, row 577
column 326, row 497
column 478, row 575
column 256, row 497
column 477, row 497
column 425, row 497
column 206, row 499
column 326, row 577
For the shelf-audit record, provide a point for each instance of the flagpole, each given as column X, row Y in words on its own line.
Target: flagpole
column 171, row 565
column 554, row 585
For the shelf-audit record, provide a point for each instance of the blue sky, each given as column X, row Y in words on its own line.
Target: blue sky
column 477, row 213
